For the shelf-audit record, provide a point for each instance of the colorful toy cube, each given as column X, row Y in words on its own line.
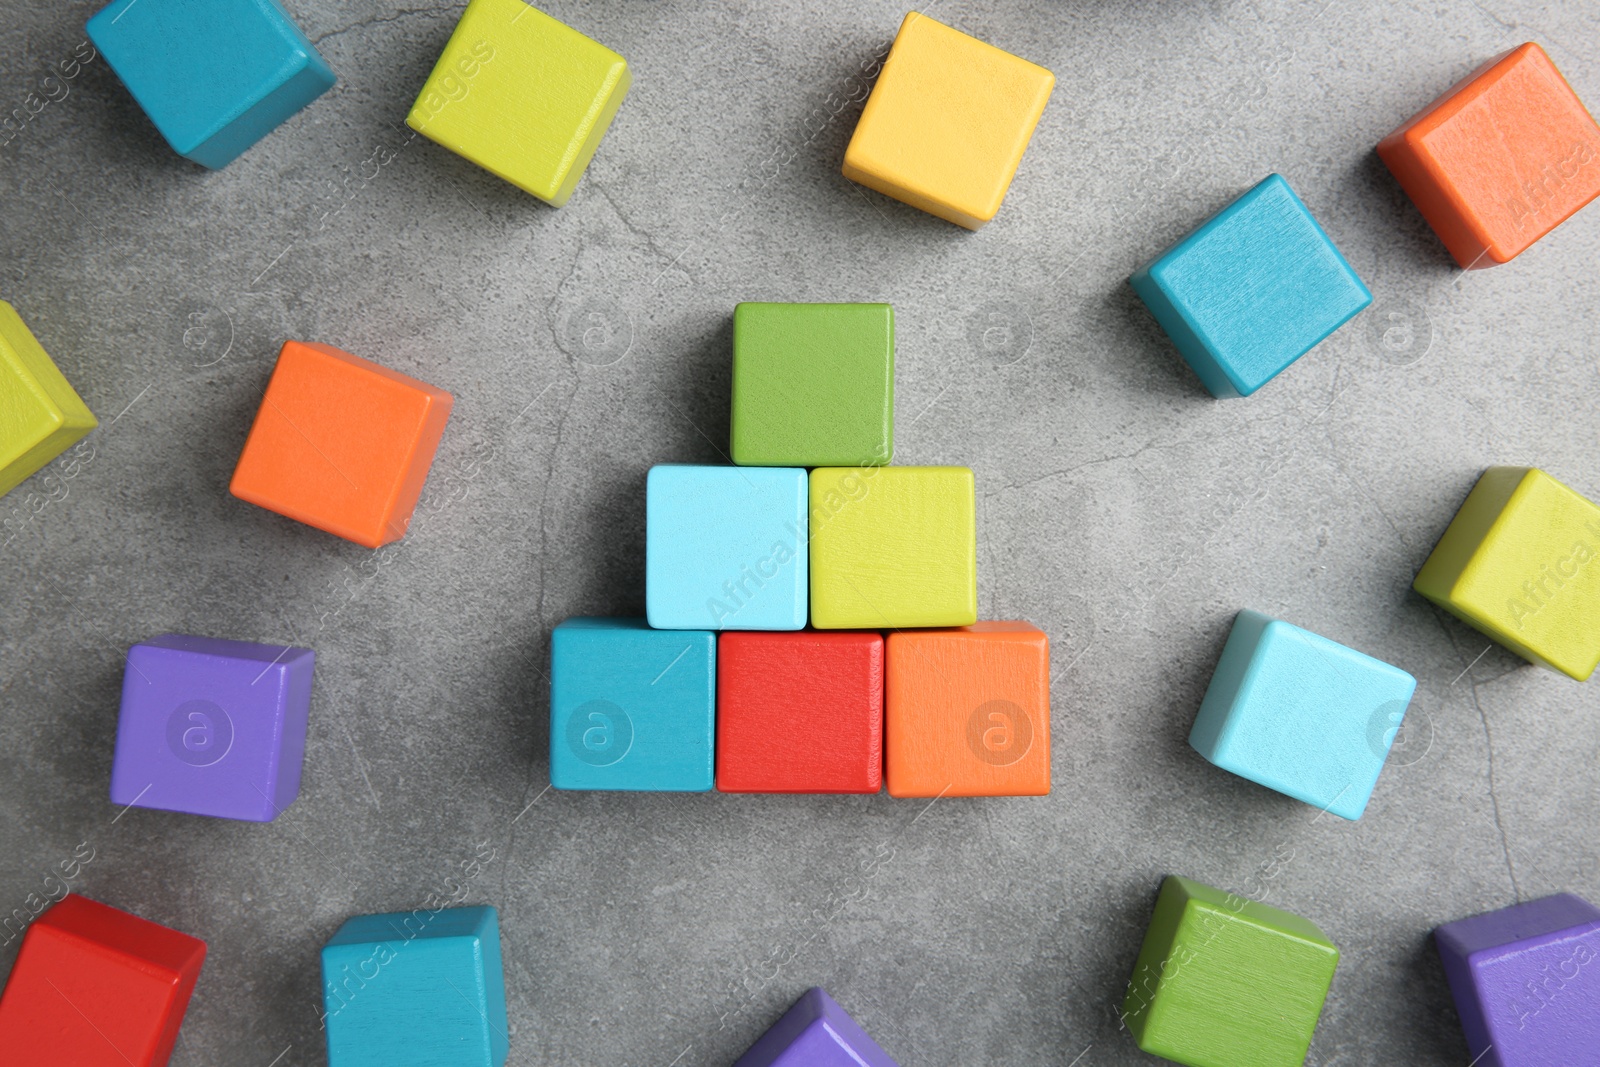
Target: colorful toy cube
column 893, row 547
column 43, row 415
column 947, row 123
column 1521, row 562
column 967, row 712
column 523, row 96
column 1524, row 982
column 1251, row 291
column 1505, row 156
column 813, row 384
column 212, row 727
column 1301, row 714
column 96, row 987
column 631, row 707
column 1223, row 981
column 425, row 987
column 800, row 712
column 725, row 548
column 816, row 1032
column 215, row 76
column 341, row 444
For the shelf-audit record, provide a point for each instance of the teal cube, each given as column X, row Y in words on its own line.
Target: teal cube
column 1251, row 291
column 631, row 708
column 422, row 988
column 813, row 385
column 1301, row 714
column 215, row 76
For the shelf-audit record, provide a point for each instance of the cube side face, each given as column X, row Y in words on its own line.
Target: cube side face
column 1227, row 683
column 893, row 547
column 1534, row 1000
column 967, row 714
column 1181, row 332
column 800, row 713
column 815, row 1032
column 725, row 548
column 813, row 385
column 523, row 96
column 632, row 708
column 947, row 123
column 40, row 413
column 308, row 77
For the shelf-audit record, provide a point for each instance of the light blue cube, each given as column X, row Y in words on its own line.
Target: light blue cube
column 631, row 707
column 726, row 548
column 215, row 76
column 1251, row 291
column 1301, row 714
column 424, row 988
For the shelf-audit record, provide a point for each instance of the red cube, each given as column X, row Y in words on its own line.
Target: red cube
column 96, row 987
column 800, row 712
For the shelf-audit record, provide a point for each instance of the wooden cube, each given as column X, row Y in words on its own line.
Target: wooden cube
column 946, row 125
column 1519, row 562
column 43, row 415
column 215, row 76
column 1223, row 981
column 893, row 547
column 967, row 712
column 342, row 444
column 1301, row 714
column 523, row 96
column 1502, row 158
column 800, row 712
column 813, row 384
column 816, row 1032
column 417, row 987
column 1251, row 291
column 97, row 987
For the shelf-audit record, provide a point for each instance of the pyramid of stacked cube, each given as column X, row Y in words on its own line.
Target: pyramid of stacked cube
column 725, row 683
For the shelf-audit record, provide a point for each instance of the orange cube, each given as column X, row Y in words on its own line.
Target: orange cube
column 967, row 711
column 341, row 444
column 1500, row 160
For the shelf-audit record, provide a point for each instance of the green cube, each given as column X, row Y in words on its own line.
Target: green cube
column 813, row 385
column 1223, row 981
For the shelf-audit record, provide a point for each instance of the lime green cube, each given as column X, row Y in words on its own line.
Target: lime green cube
column 813, row 385
column 40, row 414
column 1521, row 562
column 1223, row 981
column 523, row 96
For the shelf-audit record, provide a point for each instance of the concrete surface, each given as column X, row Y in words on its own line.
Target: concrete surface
column 1120, row 507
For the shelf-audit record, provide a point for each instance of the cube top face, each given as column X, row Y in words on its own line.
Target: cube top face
column 1523, row 981
column 212, row 727
column 213, row 75
column 725, row 548
column 423, row 987
column 1501, row 159
column 1301, row 714
column 1521, row 562
column 967, row 712
column 1251, row 291
column 800, row 712
column 1222, row 981
column 815, row 1032
column 94, row 986
column 42, row 413
column 813, row 385
column 893, row 547
column 631, row 707
column 523, row 96
column 342, row 444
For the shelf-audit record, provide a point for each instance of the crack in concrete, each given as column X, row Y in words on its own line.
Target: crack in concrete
column 393, row 16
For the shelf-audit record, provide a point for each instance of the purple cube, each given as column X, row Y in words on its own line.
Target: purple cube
column 1526, row 982
column 815, row 1033
column 212, row 727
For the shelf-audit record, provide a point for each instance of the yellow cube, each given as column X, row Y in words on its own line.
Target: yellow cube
column 1521, row 562
column 523, row 96
column 893, row 547
column 947, row 123
column 40, row 414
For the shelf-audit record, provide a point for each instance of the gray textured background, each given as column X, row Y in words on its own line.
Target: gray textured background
column 1120, row 507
